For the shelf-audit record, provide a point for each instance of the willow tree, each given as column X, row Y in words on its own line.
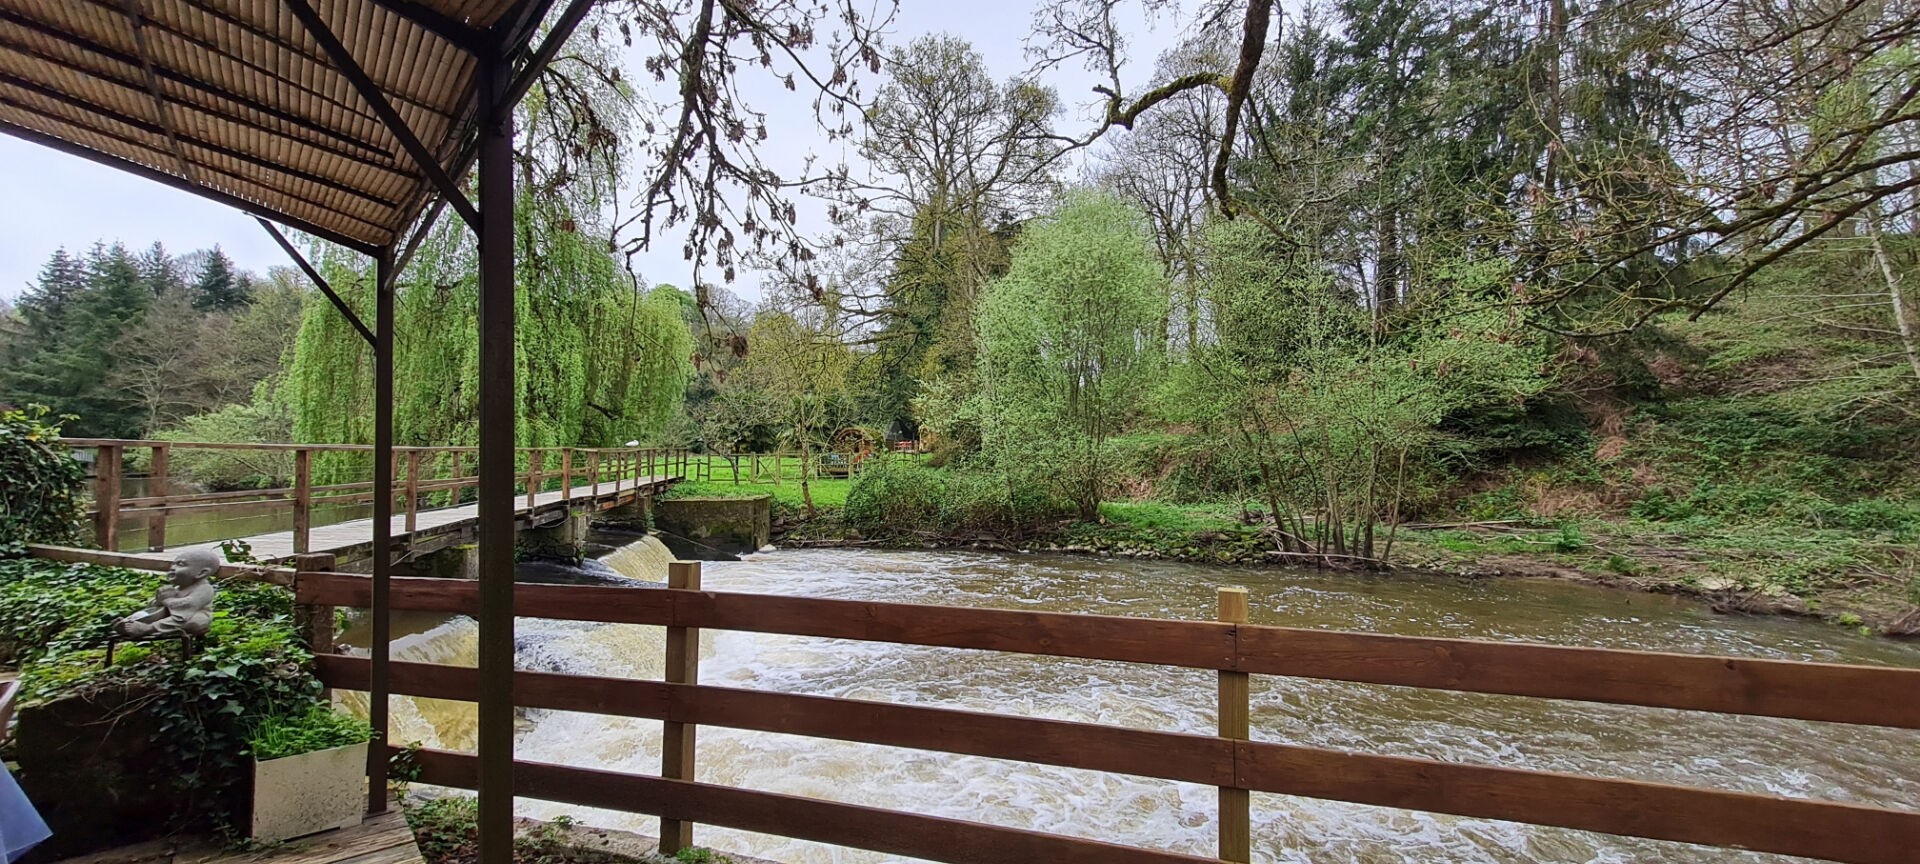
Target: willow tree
column 600, row 359
column 1068, row 345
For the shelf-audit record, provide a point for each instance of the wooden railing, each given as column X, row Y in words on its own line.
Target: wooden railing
column 423, row 477
column 1230, row 761
column 775, row 467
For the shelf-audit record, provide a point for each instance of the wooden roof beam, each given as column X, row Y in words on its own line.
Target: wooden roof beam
column 349, row 68
column 157, row 175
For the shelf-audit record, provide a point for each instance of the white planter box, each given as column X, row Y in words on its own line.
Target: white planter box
column 294, row 796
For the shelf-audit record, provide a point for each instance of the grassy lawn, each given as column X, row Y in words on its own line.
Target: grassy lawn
column 829, row 493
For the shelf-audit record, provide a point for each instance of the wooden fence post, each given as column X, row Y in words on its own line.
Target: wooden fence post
column 302, row 499
column 413, row 490
column 453, row 473
column 533, row 475
column 593, row 467
column 157, row 488
column 566, row 474
column 1236, row 822
column 676, row 741
column 106, row 497
column 314, row 623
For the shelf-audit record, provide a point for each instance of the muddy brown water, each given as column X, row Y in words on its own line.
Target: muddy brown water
column 1780, row 757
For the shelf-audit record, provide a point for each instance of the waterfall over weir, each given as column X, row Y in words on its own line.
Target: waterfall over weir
column 617, row 650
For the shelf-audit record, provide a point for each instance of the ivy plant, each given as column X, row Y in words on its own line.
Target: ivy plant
column 40, row 481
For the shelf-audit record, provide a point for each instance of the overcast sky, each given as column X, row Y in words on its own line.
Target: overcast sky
column 53, row 200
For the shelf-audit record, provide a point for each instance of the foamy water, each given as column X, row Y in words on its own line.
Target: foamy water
column 1750, row 754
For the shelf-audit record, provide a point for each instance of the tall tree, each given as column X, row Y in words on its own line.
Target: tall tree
column 1067, row 347
column 218, row 287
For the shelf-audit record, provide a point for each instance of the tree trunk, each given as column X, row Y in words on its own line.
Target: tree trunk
column 1893, row 296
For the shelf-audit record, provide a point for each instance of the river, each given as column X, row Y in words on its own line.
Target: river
column 1781, row 757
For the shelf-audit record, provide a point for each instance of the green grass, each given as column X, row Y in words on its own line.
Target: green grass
column 1176, row 518
column 828, row 493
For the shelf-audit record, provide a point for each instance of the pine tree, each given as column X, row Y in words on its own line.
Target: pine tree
column 219, row 288
column 159, row 271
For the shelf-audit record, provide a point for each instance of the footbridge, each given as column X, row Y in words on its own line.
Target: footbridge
column 152, row 499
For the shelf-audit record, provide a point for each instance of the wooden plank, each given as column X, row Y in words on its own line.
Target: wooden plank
column 1869, row 695
column 1234, row 724
column 1193, row 644
column 157, row 486
column 606, row 604
column 884, row 831
column 677, row 737
column 1144, row 753
column 302, row 500
column 106, row 497
column 244, row 572
column 1814, row 829
column 1777, row 688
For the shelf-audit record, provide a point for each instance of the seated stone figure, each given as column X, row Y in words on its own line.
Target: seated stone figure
column 183, row 606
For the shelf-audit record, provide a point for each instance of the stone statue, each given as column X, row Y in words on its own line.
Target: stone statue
column 183, row 606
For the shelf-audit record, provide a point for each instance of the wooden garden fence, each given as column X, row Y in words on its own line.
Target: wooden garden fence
column 1230, row 760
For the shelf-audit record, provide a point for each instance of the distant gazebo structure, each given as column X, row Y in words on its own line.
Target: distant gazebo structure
column 353, row 121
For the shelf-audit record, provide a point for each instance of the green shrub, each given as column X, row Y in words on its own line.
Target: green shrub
column 319, row 727
column 40, row 481
column 898, row 496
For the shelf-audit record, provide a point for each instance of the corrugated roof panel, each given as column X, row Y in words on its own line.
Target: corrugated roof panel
column 259, row 111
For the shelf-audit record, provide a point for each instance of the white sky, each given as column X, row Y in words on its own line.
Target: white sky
column 52, row 200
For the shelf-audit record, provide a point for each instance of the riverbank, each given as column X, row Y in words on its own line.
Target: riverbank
column 1860, row 581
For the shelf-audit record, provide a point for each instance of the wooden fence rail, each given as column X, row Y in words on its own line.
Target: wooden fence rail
column 430, row 473
column 1808, row 691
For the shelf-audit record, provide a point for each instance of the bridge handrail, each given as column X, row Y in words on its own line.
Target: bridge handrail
column 445, row 474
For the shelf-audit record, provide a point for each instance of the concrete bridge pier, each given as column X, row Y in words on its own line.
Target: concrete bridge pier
column 560, row 534
column 459, row 561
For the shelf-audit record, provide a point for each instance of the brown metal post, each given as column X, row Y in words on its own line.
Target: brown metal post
column 157, row 488
column 676, row 742
column 497, row 388
column 381, row 642
column 1236, row 821
column 302, row 499
column 106, row 497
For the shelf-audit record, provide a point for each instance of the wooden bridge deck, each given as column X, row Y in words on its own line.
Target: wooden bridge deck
column 381, row 839
column 354, row 539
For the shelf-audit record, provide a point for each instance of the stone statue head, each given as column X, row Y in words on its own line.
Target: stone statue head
column 193, row 565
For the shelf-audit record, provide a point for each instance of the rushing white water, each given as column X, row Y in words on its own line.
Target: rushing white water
column 1775, row 756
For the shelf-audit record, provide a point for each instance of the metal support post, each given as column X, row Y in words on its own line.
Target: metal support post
column 497, row 390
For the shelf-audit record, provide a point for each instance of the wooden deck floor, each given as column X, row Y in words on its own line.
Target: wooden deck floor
column 382, row 839
column 355, row 538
